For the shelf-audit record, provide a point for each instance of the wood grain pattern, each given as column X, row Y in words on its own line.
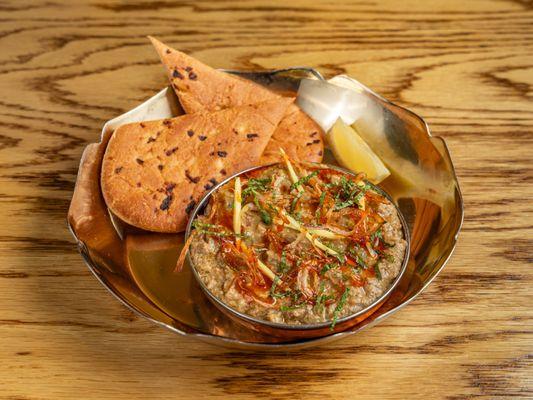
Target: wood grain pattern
column 466, row 66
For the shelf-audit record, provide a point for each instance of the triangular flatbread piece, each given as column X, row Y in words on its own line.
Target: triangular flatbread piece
column 154, row 172
column 200, row 87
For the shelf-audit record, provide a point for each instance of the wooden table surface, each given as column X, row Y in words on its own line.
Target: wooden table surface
column 466, row 66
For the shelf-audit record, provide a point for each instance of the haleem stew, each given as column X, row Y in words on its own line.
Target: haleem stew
column 297, row 244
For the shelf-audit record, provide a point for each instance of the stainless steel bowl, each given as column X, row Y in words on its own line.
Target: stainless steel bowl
column 286, row 331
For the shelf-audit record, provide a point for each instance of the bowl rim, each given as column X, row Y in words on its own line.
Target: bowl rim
column 304, row 327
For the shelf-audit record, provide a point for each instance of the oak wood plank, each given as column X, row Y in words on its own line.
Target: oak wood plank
column 466, row 66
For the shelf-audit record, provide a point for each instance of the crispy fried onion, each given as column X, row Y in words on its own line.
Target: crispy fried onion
column 184, row 250
column 253, row 277
column 307, row 281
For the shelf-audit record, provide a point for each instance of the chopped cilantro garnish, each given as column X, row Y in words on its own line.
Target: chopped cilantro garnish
column 291, row 308
column 388, row 257
column 353, row 252
column 283, row 267
column 349, row 193
column 274, row 284
column 327, row 267
column 294, row 201
column 256, row 185
column 342, row 204
column 273, row 293
column 197, row 224
column 361, row 262
column 377, row 271
column 265, row 216
column 377, row 234
column 321, row 199
column 320, row 204
column 296, row 295
column 340, row 254
column 210, row 229
column 322, row 298
column 340, row 306
column 304, row 180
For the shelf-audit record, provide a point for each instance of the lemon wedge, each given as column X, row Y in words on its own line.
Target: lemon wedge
column 354, row 154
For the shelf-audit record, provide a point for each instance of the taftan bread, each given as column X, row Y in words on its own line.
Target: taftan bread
column 200, row 87
column 154, row 172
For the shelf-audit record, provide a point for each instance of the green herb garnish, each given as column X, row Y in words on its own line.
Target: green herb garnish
column 296, row 295
column 273, row 287
column 283, row 267
column 264, row 214
column 207, row 229
column 294, row 202
column 256, row 185
column 377, row 234
column 322, row 298
column 340, row 254
column 197, row 224
column 265, row 217
column 340, row 306
column 321, row 199
column 320, row 204
column 349, row 193
column 327, row 267
column 353, row 252
column 343, row 204
column 291, row 308
column 377, row 271
column 304, row 180
column 388, row 257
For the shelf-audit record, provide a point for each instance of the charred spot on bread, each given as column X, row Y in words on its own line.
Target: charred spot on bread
column 118, row 169
column 190, row 133
column 177, row 74
column 139, row 161
column 165, row 204
column 193, row 179
column 211, row 184
column 202, row 138
column 170, row 187
column 190, row 206
column 222, row 154
column 171, row 151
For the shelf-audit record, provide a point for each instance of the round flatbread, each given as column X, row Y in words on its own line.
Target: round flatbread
column 154, row 172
